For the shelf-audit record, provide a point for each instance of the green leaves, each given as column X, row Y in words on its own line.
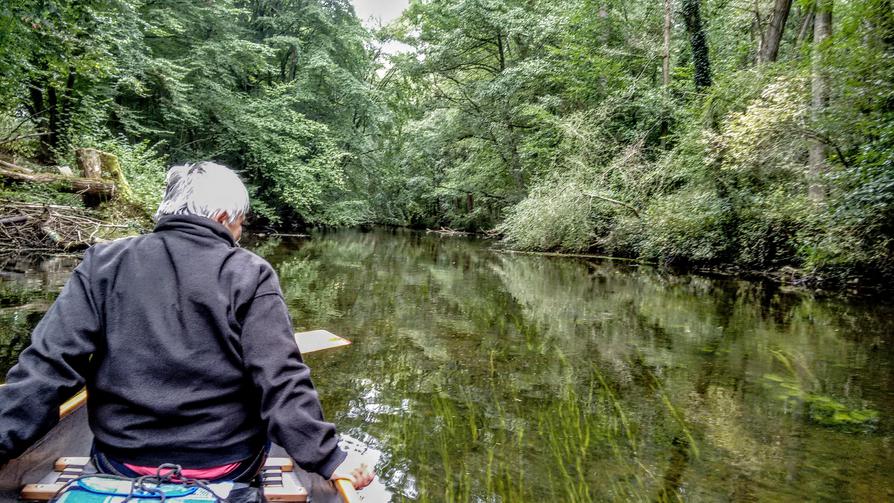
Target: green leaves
column 547, row 119
column 293, row 161
column 275, row 88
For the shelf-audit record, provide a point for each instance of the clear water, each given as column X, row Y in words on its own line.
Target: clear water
column 484, row 376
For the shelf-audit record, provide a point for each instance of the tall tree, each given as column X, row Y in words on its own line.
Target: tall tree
column 822, row 30
column 665, row 65
column 769, row 43
column 691, row 10
column 806, row 25
column 56, row 55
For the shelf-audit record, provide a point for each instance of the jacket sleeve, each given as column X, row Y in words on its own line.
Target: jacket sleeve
column 289, row 403
column 50, row 370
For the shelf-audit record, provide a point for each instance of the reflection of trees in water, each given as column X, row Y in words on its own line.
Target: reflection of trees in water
column 15, row 334
column 483, row 375
column 22, row 304
column 310, row 298
column 477, row 373
column 28, row 286
column 710, row 343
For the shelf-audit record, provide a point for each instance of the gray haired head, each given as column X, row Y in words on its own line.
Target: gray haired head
column 205, row 189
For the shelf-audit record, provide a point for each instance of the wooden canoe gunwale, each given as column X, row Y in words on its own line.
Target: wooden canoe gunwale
column 73, row 404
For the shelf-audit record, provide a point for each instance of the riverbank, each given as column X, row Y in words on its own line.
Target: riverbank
column 786, row 276
column 97, row 196
column 29, row 228
column 51, row 218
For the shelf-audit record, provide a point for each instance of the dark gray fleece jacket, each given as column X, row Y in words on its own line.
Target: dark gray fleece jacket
column 186, row 347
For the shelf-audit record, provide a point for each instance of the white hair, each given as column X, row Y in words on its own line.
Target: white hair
column 206, row 189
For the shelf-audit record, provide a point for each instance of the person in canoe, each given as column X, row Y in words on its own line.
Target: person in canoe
column 186, row 348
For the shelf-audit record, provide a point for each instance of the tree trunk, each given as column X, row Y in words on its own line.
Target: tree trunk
column 111, row 166
column 806, row 27
column 691, row 11
column 822, row 30
column 501, row 51
column 52, row 139
column 89, row 162
column 99, row 188
column 66, row 104
column 665, row 66
column 769, row 48
column 38, row 109
column 35, row 107
column 755, row 30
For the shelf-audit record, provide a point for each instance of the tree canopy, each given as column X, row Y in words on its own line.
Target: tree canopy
column 767, row 142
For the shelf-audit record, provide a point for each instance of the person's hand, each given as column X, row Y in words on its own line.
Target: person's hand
column 360, row 476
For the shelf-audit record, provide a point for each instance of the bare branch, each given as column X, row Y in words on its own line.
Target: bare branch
column 615, row 201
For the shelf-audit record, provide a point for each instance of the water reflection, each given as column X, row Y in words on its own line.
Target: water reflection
column 487, row 376
column 483, row 376
column 27, row 288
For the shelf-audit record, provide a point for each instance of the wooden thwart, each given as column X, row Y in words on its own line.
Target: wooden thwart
column 282, row 464
column 277, row 485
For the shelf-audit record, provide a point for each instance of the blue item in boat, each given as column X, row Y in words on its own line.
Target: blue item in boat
column 98, row 489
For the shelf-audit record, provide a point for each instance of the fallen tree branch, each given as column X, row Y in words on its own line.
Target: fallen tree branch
column 447, row 231
column 30, row 118
column 30, row 228
column 13, row 220
column 16, row 168
column 21, row 204
column 65, row 183
column 615, row 201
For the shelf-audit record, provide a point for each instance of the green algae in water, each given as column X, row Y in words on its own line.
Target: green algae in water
column 822, row 409
column 829, row 412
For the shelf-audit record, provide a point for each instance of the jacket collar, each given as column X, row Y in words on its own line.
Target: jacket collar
column 195, row 225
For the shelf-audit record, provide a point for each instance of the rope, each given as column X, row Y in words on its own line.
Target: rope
column 147, row 486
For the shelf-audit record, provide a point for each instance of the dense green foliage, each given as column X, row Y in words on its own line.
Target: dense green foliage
column 549, row 122
column 275, row 88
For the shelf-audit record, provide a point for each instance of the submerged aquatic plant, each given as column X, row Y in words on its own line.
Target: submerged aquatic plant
column 822, row 409
column 819, row 408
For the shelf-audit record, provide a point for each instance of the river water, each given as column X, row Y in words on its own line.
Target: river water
column 486, row 376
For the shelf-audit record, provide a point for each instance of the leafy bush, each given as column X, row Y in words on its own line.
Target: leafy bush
column 689, row 225
column 555, row 216
column 144, row 168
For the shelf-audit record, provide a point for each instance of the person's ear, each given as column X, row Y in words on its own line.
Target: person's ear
column 222, row 218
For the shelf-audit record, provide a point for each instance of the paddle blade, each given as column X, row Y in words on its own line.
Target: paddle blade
column 318, row 340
